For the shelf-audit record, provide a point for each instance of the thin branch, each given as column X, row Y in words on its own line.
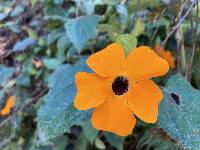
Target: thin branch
column 182, row 8
column 181, row 60
column 178, row 24
column 194, row 37
column 181, row 50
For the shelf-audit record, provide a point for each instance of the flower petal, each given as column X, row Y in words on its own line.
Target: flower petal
column 91, row 90
column 108, row 61
column 143, row 63
column 167, row 55
column 143, row 99
column 114, row 116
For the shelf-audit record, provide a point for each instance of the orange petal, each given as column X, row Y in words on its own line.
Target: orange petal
column 108, row 61
column 167, row 55
column 91, row 90
column 143, row 63
column 37, row 63
column 114, row 116
column 143, row 99
column 9, row 104
column 11, row 101
column 5, row 111
column 159, row 49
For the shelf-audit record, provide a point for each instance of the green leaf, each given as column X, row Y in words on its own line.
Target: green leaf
column 33, row 2
column 13, row 26
column 81, row 143
column 88, row 6
column 179, row 113
column 112, row 30
column 63, row 42
column 23, row 80
column 51, row 63
column 58, row 1
column 52, row 79
column 56, row 13
column 71, row 52
column 5, row 74
column 99, row 144
column 23, row 44
column 17, row 11
column 41, row 41
column 138, row 28
column 127, row 41
column 58, row 114
column 81, row 30
column 32, row 34
column 90, row 132
column 54, row 35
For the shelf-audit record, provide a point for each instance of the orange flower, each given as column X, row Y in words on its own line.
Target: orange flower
column 9, row 104
column 120, row 87
column 167, row 55
column 37, row 63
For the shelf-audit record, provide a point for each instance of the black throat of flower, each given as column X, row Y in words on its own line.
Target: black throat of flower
column 120, row 85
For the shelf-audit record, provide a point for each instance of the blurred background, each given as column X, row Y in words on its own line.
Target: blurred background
column 40, row 40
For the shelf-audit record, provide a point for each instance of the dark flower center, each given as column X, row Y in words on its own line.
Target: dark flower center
column 120, row 85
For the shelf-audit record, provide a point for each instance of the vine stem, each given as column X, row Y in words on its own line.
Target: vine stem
column 181, row 60
column 177, row 25
column 194, row 37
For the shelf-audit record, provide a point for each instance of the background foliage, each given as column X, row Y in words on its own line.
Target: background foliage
column 44, row 43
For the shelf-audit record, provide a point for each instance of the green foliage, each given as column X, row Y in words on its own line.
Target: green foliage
column 179, row 116
column 63, row 42
column 5, row 83
column 144, row 4
column 114, row 140
column 51, row 63
column 128, row 41
column 99, row 144
column 89, row 132
column 23, row 45
column 57, row 114
column 54, row 35
column 153, row 139
column 138, row 28
column 17, row 11
column 5, row 74
column 81, row 29
column 88, row 6
column 112, row 30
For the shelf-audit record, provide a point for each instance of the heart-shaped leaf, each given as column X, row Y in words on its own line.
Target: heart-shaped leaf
column 179, row 113
column 57, row 114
